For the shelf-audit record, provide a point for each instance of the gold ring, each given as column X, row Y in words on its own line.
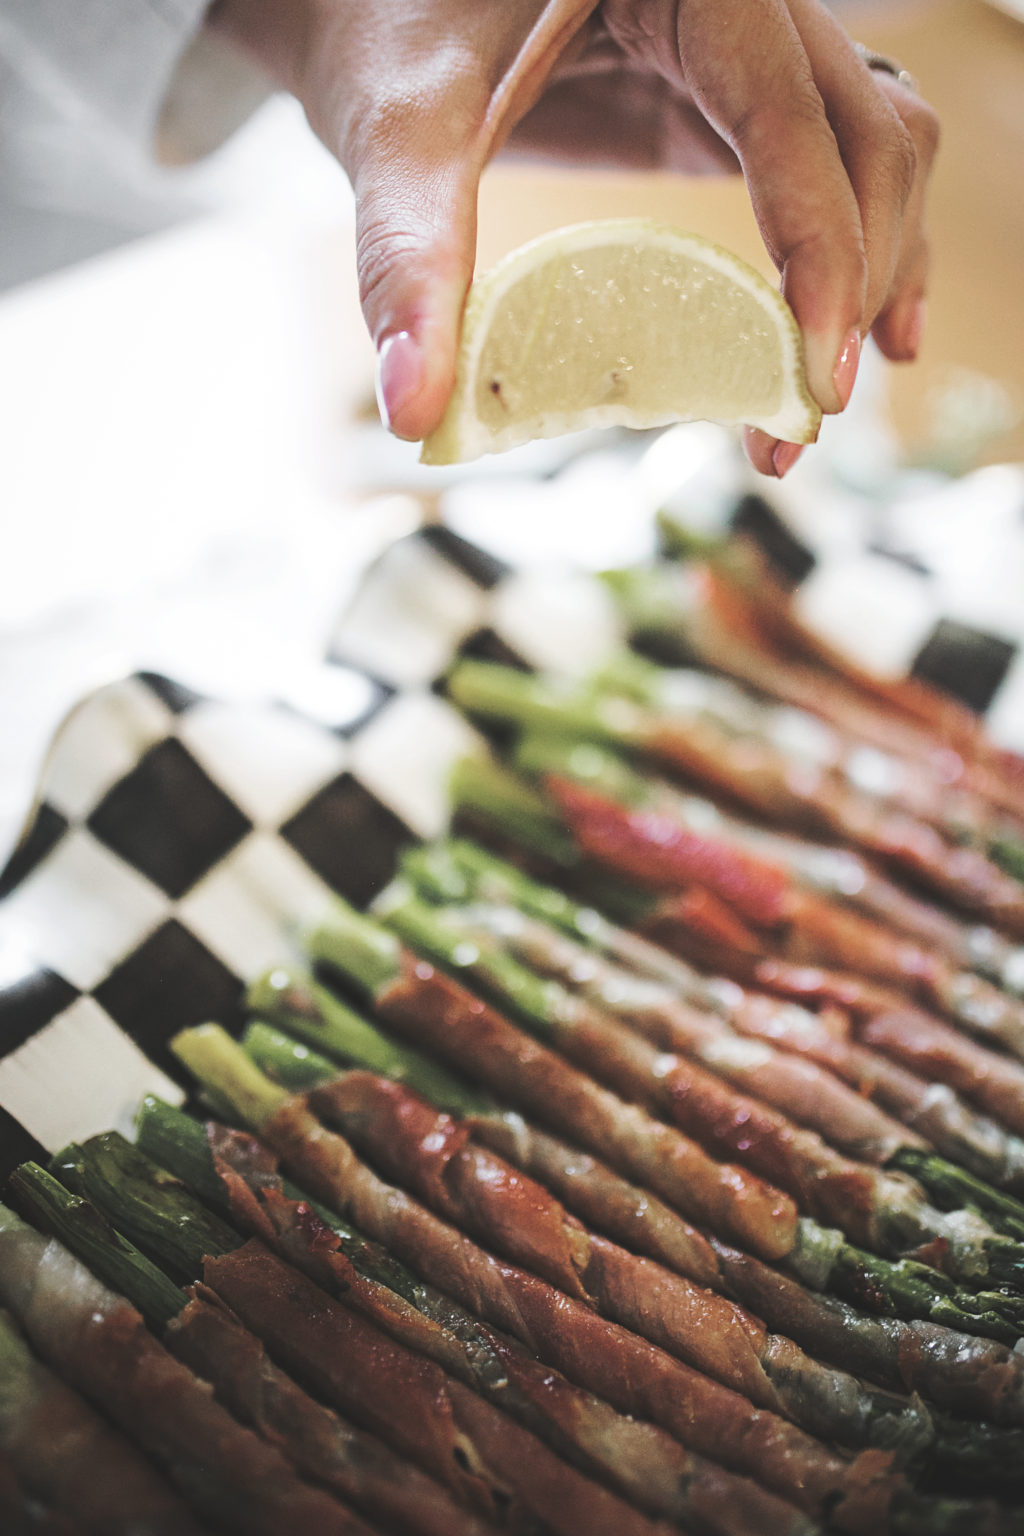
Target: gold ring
column 886, row 65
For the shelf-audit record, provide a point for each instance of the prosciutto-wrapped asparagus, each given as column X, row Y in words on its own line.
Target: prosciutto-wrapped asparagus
column 885, row 1212
column 239, row 1176
column 537, row 1079
column 755, row 776
column 471, row 1187
column 699, row 613
column 919, row 787
column 462, row 872
column 72, row 1460
column 629, row 1372
column 101, row 1346
column 965, row 1373
column 420, row 1003
column 669, row 842
column 799, row 1087
column 213, row 1343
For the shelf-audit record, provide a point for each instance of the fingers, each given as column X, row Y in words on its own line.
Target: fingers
column 899, row 323
column 887, row 136
column 746, row 66
column 414, row 131
column 415, row 243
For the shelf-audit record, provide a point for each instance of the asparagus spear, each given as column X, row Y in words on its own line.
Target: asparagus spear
column 81, row 1228
column 884, row 1211
column 485, row 1044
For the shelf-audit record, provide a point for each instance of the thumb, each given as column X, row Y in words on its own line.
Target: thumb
column 415, row 245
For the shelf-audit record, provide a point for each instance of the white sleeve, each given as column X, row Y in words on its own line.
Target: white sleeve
column 143, row 68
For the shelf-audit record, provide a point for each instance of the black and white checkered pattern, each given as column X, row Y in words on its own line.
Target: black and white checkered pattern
column 179, row 847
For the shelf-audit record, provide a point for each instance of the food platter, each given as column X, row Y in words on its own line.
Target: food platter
column 182, row 846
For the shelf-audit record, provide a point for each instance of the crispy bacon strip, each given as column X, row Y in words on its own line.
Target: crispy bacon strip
column 430, row 1009
column 101, row 1346
column 626, row 1370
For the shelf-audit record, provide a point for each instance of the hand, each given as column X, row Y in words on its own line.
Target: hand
column 415, row 96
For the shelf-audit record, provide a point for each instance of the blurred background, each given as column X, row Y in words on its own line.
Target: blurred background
column 191, row 473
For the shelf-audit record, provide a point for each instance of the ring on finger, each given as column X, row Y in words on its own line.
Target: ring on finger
column 885, row 66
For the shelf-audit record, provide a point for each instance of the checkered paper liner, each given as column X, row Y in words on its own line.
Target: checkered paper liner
column 179, row 846
column 181, row 843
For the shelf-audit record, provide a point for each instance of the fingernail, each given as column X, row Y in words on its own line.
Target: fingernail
column 913, row 328
column 846, row 369
column 399, row 374
column 785, row 456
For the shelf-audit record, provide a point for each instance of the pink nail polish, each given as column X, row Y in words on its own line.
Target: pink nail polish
column 846, row 368
column 785, row 456
column 399, row 374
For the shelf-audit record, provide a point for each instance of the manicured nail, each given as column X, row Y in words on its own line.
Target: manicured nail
column 399, row 375
column 785, row 456
column 846, row 369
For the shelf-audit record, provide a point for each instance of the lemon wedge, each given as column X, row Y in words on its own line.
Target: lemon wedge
column 621, row 322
